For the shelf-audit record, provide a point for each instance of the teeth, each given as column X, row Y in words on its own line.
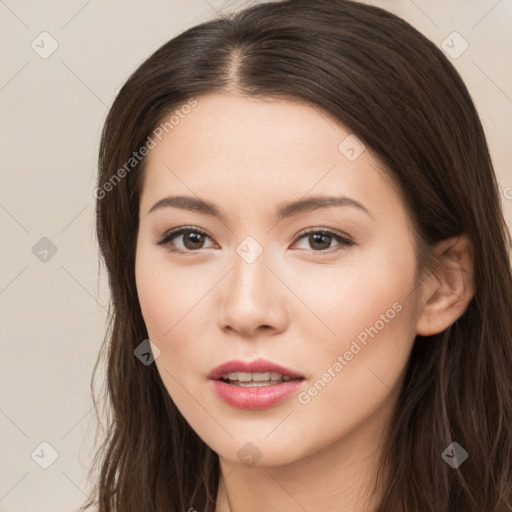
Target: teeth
column 260, row 377
column 254, row 384
column 265, row 378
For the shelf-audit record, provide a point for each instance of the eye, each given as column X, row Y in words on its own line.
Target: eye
column 320, row 239
column 193, row 239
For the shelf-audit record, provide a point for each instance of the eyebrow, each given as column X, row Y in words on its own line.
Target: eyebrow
column 284, row 210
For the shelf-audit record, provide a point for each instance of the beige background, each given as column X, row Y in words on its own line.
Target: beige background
column 51, row 111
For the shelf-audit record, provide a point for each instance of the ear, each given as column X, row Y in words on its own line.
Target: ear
column 446, row 295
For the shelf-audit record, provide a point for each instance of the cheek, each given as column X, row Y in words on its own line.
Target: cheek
column 152, row 295
column 370, row 288
column 166, row 294
column 356, row 381
column 167, row 306
column 368, row 316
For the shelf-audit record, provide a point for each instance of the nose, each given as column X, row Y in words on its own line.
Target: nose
column 252, row 299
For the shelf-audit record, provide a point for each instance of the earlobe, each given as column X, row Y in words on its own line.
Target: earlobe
column 445, row 296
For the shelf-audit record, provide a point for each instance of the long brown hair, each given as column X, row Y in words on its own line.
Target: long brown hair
column 401, row 96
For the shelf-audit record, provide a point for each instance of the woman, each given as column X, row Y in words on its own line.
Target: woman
column 297, row 206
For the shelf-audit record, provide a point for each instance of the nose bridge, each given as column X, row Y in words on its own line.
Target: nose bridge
column 251, row 297
column 249, row 279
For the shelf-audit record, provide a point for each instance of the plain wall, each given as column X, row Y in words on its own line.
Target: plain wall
column 52, row 313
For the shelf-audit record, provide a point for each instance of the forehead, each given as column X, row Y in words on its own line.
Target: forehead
column 269, row 150
column 229, row 124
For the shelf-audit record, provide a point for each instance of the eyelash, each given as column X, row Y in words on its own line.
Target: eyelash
column 344, row 241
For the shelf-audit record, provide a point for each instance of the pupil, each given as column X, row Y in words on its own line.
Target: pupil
column 319, row 237
column 194, row 238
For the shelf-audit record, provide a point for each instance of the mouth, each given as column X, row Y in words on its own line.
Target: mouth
column 257, row 373
column 257, row 379
column 258, row 384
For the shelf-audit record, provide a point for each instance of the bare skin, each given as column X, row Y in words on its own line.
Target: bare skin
column 301, row 303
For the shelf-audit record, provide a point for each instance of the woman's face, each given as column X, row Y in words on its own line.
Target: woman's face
column 251, row 284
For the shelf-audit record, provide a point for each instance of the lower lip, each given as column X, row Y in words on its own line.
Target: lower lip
column 261, row 397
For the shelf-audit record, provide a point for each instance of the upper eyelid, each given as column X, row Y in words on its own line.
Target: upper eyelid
column 181, row 229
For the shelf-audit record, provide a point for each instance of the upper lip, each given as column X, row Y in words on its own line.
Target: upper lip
column 257, row 366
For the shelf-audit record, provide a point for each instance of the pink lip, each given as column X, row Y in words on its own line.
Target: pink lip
column 258, row 397
column 254, row 398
